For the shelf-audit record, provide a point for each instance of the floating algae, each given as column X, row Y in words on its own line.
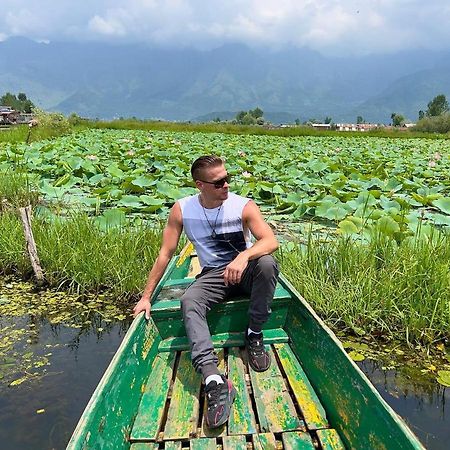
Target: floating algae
column 24, row 311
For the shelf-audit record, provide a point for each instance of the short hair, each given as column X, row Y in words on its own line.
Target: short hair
column 204, row 162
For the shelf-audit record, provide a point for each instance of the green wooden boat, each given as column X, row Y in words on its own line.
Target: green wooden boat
column 312, row 397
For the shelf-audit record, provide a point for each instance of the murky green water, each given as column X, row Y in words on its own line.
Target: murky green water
column 64, row 362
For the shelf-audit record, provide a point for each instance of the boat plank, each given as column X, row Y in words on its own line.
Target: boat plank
column 220, row 431
column 313, row 412
column 297, row 440
column 144, row 446
column 173, row 445
column 223, row 340
column 330, row 439
column 234, row 443
column 264, row 441
column 184, row 405
column 242, row 418
column 203, row 444
column 151, row 407
column 275, row 407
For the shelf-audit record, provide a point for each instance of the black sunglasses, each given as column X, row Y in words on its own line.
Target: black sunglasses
column 219, row 183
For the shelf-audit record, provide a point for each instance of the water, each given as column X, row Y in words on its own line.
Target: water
column 75, row 369
column 423, row 404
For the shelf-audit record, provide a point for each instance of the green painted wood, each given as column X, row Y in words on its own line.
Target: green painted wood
column 297, row 440
column 234, row 443
column 220, row 431
column 223, row 340
column 224, row 318
column 330, row 440
column 203, row 444
column 181, row 282
column 313, row 412
column 242, row 418
column 276, row 411
column 107, row 420
column 264, row 441
column 280, row 294
column 144, row 446
column 148, row 420
column 172, row 445
column 168, row 274
column 354, row 407
column 183, row 412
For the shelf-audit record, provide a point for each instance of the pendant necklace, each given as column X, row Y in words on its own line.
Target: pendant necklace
column 213, row 228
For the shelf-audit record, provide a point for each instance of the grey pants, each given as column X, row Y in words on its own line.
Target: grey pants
column 258, row 280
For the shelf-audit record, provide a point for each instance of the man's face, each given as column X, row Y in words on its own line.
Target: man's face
column 206, row 185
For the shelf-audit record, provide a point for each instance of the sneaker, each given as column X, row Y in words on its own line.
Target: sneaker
column 219, row 398
column 258, row 358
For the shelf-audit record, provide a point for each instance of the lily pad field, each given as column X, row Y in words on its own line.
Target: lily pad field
column 345, row 182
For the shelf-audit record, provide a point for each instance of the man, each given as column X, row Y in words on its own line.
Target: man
column 220, row 225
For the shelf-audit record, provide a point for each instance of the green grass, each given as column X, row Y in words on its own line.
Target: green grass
column 76, row 255
column 22, row 133
column 379, row 288
column 17, row 190
column 229, row 128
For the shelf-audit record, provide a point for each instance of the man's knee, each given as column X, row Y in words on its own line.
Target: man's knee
column 191, row 305
column 267, row 266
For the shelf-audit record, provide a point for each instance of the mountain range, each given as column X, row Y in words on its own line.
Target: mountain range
column 105, row 81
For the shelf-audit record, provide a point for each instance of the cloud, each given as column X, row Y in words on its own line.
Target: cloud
column 331, row 26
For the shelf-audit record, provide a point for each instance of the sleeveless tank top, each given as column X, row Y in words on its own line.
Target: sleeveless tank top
column 217, row 233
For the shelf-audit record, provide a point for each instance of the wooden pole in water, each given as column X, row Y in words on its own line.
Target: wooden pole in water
column 25, row 214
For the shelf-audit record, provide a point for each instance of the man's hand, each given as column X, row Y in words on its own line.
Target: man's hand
column 142, row 305
column 233, row 272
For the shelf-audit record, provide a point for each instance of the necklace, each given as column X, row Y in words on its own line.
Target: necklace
column 213, row 228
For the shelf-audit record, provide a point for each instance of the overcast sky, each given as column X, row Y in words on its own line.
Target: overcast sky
column 329, row 26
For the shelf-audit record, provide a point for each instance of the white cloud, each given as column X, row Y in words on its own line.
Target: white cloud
column 325, row 25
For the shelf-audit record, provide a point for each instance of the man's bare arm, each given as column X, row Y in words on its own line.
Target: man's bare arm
column 266, row 243
column 171, row 236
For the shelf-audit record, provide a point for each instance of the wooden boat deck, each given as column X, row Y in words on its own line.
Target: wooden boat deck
column 276, row 409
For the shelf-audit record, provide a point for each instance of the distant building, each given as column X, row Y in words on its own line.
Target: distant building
column 356, row 126
column 321, row 126
column 9, row 116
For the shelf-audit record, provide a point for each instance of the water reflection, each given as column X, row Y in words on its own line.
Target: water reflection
column 76, row 366
column 420, row 400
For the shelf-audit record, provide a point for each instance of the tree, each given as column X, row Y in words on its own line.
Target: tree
column 327, row 120
column 248, row 119
column 437, row 106
column 297, row 121
column 256, row 113
column 397, row 120
column 20, row 103
column 360, row 119
column 240, row 115
column 421, row 115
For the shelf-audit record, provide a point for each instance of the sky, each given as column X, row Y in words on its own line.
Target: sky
column 328, row 26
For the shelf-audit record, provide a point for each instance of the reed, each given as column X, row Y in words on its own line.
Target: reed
column 230, row 128
column 380, row 288
column 77, row 256
column 17, row 189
